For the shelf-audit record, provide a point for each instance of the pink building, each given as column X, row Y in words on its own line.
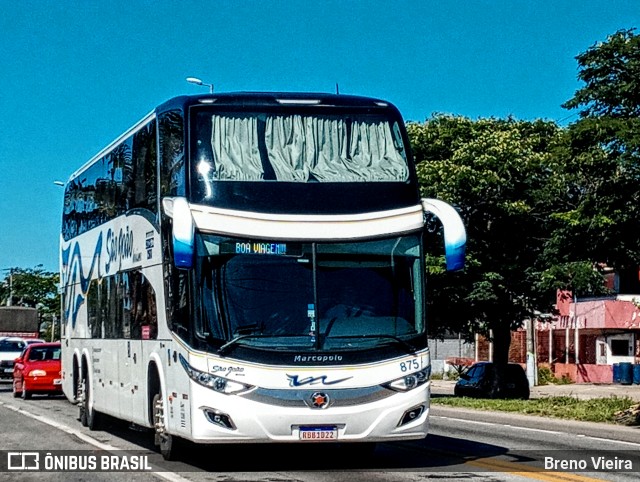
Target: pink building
column 589, row 336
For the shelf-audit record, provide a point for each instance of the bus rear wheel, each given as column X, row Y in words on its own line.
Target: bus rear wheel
column 89, row 417
column 82, row 407
column 169, row 444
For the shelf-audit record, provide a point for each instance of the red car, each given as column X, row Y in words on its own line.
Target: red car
column 38, row 370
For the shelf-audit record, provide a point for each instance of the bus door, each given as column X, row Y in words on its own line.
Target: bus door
column 69, row 375
column 132, row 401
column 131, row 371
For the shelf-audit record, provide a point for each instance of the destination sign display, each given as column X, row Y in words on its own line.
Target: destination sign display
column 261, row 247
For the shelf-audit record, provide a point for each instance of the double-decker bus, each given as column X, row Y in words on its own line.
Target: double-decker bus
column 249, row 267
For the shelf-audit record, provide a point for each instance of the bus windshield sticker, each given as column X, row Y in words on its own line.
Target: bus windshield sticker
column 311, row 314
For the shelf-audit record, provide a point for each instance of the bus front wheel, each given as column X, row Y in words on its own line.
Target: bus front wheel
column 169, row 444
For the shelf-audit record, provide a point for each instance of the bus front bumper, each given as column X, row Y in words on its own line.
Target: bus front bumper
column 399, row 416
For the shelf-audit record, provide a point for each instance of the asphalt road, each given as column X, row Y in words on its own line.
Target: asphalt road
column 461, row 445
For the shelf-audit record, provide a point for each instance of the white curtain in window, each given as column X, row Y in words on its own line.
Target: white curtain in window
column 328, row 153
column 285, row 140
column 303, row 148
column 234, row 141
column 310, row 148
column 373, row 154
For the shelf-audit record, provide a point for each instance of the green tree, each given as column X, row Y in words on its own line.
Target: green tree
column 610, row 71
column 500, row 176
column 34, row 287
column 601, row 219
column 544, row 206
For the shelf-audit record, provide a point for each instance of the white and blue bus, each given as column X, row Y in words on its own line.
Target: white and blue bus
column 249, row 267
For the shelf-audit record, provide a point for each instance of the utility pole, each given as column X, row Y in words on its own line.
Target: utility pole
column 9, row 301
column 532, row 365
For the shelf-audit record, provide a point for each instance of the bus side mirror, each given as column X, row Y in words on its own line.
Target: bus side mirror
column 178, row 210
column 455, row 235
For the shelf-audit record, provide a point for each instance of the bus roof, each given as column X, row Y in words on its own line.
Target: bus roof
column 247, row 99
column 258, row 99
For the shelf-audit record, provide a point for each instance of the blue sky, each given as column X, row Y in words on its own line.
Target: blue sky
column 75, row 74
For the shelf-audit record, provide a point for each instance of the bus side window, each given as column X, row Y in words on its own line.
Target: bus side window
column 172, row 168
column 149, row 314
column 181, row 304
column 144, row 321
column 93, row 310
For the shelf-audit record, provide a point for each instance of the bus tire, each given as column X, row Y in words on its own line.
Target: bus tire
column 92, row 415
column 76, row 371
column 82, row 404
column 94, row 419
column 169, row 445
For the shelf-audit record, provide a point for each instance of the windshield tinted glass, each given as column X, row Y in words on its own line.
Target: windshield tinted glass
column 320, row 296
column 11, row 345
column 44, row 353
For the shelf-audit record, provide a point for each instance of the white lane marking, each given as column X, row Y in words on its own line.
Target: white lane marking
column 552, row 432
column 170, row 476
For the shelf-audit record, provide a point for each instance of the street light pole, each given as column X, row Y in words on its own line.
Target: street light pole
column 197, row 81
column 10, row 298
column 54, row 318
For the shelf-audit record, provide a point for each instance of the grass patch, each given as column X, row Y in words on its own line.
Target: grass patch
column 568, row 408
column 546, row 377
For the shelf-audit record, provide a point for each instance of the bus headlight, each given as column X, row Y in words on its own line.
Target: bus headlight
column 409, row 382
column 214, row 382
column 37, row 373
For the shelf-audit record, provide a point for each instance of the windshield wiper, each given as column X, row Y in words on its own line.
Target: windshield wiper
column 236, row 341
column 222, row 351
column 248, row 329
column 409, row 348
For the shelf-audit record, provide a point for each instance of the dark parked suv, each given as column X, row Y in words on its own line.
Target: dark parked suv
column 477, row 381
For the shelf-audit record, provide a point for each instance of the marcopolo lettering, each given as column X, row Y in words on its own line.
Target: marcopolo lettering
column 317, row 358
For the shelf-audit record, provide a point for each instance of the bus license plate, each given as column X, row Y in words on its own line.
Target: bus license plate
column 318, row 433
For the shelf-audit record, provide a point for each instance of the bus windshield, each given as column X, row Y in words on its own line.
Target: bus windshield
column 298, row 147
column 311, row 296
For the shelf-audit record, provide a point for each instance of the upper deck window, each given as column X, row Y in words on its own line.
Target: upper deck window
column 241, row 146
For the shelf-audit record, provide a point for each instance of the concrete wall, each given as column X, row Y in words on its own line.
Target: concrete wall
column 448, row 348
column 584, row 373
